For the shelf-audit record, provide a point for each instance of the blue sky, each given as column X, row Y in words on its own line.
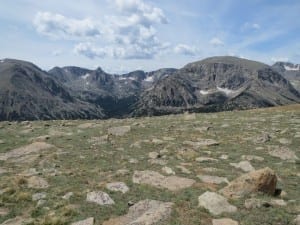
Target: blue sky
column 125, row 35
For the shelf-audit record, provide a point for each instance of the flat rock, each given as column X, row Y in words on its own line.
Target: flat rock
column 215, row 203
column 100, row 198
column 117, row 186
column 206, row 159
column 284, row 141
column 213, row 179
column 258, row 203
column 35, row 147
column 119, row 131
column 153, row 155
column 168, row 170
column 68, row 195
column 38, row 196
column 263, row 180
column 282, row 152
column 201, row 143
column 172, row 183
column 243, row 165
column 252, row 157
column 88, row 221
column 146, row 212
column 224, row 221
column 37, row 182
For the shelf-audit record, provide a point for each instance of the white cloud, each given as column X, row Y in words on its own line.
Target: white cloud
column 185, row 50
column 250, row 26
column 57, row 52
column 60, row 27
column 90, row 51
column 216, row 42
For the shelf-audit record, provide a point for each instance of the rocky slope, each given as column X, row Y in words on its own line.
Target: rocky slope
column 216, row 84
column 28, row 93
column 290, row 71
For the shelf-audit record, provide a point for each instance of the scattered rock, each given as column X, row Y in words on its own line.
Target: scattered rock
column 133, row 161
column 68, row 195
column 117, row 186
column 252, row 157
column 38, row 196
column 224, row 157
column 224, row 221
column 100, row 198
column 183, row 169
column 41, row 202
column 119, row 131
column 172, row 183
column 3, row 211
column 210, row 169
column 206, row 159
column 35, row 147
column 215, row 203
column 157, row 141
column 168, row 170
column 263, row 180
column 154, row 155
column 88, row 221
column 201, row 143
column 265, row 137
column 285, row 141
column 146, row 212
column 297, row 220
column 168, row 139
column 253, row 203
column 243, row 165
column 213, row 179
column 283, row 153
column 37, row 183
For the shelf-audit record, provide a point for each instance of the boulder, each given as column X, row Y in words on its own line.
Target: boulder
column 119, row 131
column 146, row 212
column 263, row 180
column 37, row 183
column 100, row 198
column 117, row 186
column 215, row 203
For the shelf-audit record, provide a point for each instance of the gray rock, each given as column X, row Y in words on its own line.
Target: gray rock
column 119, row 131
column 146, row 212
column 283, row 153
column 206, row 159
column 38, row 196
column 100, row 198
column 243, row 165
column 213, row 179
column 88, row 221
column 285, row 141
column 153, row 155
column 168, row 170
column 224, row 221
column 215, row 203
column 68, row 195
column 252, row 157
column 37, row 183
column 117, row 186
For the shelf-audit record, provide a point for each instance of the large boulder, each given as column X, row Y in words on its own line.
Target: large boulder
column 263, row 180
column 100, row 198
column 146, row 212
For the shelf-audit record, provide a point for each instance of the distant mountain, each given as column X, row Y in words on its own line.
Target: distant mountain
column 213, row 84
column 290, row 71
column 116, row 94
column 28, row 93
column 216, row 84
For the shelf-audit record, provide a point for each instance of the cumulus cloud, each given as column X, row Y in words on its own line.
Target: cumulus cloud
column 60, row 27
column 89, row 50
column 216, row 42
column 183, row 49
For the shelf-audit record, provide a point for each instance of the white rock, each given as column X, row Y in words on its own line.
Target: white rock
column 206, row 159
column 68, row 195
column 119, row 131
column 100, row 198
column 243, row 165
column 168, row 170
column 117, row 186
column 38, row 196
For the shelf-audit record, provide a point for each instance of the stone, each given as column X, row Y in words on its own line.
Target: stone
column 157, row 141
column 278, row 202
column 213, row 179
column 224, row 157
column 152, row 178
column 285, row 141
column 117, row 186
column 100, row 198
column 252, row 157
column 206, row 159
column 37, row 182
column 215, row 203
column 243, row 165
column 201, row 143
column 283, row 153
column 68, row 195
column 35, row 147
column 224, row 221
column 253, row 203
column 296, row 221
column 88, row 221
column 154, row 155
column 133, row 161
column 119, row 131
column 265, row 137
column 263, row 180
column 38, row 196
column 183, row 169
column 168, row 170
column 146, row 212
column 41, row 202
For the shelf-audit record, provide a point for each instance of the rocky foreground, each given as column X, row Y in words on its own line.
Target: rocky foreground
column 224, row 168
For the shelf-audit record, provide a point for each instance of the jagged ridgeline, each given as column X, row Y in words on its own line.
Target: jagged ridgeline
column 213, row 84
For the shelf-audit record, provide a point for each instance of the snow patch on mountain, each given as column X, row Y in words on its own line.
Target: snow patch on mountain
column 149, row 79
column 289, row 68
column 86, row 76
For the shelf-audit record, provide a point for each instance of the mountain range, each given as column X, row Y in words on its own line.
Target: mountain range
column 213, row 84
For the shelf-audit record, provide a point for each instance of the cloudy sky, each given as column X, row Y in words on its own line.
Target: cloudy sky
column 124, row 35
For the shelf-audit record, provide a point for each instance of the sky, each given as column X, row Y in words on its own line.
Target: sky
column 125, row 35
